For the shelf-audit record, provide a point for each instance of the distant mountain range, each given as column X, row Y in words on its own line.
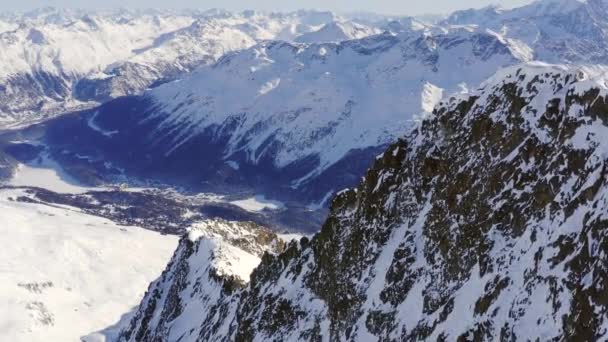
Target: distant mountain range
column 557, row 31
column 59, row 60
column 54, row 61
column 297, row 121
column 246, row 104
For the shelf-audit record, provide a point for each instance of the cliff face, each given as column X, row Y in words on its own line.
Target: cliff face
column 487, row 222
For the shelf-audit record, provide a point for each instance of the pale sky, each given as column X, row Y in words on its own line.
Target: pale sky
column 395, row 7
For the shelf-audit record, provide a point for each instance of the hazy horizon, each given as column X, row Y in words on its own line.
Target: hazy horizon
column 385, row 7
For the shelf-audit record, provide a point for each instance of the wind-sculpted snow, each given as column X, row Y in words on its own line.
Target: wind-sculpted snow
column 487, row 222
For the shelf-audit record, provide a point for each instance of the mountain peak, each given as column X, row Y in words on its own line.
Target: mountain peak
column 337, row 31
column 551, row 7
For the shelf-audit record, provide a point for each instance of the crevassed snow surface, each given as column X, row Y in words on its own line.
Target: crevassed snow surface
column 65, row 274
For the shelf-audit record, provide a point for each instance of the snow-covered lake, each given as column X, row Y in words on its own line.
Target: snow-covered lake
column 48, row 175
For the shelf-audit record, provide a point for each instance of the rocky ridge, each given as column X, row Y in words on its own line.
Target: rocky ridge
column 487, row 222
column 212, row 263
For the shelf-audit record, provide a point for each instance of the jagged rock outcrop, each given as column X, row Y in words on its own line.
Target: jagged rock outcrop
column 487, row 222
column 212, row 262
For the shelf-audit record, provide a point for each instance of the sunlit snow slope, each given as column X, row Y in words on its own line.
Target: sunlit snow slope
column 64, row 274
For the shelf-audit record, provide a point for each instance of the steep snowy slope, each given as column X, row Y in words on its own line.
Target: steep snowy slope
column 66, row 274
column 351, row 95
column 486, row 223
column 283, row 116
column 168, row 57
column 559, row 31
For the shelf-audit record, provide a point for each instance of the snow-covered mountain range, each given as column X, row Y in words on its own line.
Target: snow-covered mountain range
column 282, row 118
column 557, row 31
column 59, row 60
column 483, row 216
column 257, row 107
column 54, row 61
column 48, row 51
column 486, row 222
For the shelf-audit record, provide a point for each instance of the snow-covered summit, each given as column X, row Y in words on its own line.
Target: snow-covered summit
column 211, row 263
column 234, row 249
column 337, row 32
